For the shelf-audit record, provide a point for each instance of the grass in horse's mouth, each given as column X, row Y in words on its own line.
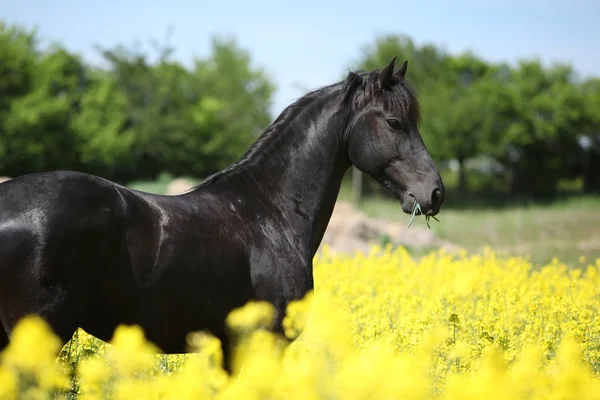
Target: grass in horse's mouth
column 416, row 207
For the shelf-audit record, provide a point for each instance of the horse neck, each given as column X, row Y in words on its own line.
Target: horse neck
column 298, row 165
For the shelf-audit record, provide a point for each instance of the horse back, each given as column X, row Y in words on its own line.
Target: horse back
column 55, row 210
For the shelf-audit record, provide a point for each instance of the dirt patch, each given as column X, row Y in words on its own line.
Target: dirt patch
column 592, row 244
column 179, row 186
column 350, row 230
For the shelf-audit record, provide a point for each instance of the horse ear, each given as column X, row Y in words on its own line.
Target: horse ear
column 402, row 71
column 385, row 76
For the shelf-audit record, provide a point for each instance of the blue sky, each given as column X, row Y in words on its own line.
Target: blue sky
column 313, row 42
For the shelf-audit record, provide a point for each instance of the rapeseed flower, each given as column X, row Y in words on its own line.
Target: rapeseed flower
column 378, row 325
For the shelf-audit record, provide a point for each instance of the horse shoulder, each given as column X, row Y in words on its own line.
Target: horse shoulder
column 280, row 264
column 144, row 224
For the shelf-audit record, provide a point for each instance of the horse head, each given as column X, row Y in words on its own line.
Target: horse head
column 383, row 139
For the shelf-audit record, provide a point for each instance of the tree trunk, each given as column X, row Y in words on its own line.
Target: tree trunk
column 591, row 173
column 463, row 185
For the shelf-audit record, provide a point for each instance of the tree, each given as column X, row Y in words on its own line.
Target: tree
column 37, row 132
column 185, row 122
column 426, row 63
column 534, row 114
column 235, row 104
column 455, row 112
column 527, row 118
column 589, row 137
column 18, row 60
column 105, row 140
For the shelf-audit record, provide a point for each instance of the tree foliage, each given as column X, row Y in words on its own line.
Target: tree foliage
column 132, row 118
column 139, row 116
column 530, row 118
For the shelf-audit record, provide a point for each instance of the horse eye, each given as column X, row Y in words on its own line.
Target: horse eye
column 394, row 123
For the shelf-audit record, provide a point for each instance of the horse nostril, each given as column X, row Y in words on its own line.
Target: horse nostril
column 436, row 196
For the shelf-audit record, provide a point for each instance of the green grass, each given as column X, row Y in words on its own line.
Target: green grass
column 566, row 229
column 158, row 186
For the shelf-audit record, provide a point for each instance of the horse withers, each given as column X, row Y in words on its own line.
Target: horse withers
column 81, row 251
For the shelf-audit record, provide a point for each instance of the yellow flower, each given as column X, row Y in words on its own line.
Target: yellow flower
column 8, row 384
column 33, row 345
column 251, row 316
column 378, row 325
column 93, row 371
column 132, row 353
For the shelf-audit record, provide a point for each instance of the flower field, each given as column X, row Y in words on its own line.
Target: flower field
column 378, row 326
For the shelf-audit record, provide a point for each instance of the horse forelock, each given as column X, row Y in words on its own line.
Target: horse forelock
column 362, row 88
column 402, row 98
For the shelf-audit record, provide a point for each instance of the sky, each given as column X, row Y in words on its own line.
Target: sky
column 306, row 44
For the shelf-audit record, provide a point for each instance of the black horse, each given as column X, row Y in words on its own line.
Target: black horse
column 81, row 251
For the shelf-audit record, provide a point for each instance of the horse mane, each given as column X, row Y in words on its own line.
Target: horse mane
column 401, row 97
